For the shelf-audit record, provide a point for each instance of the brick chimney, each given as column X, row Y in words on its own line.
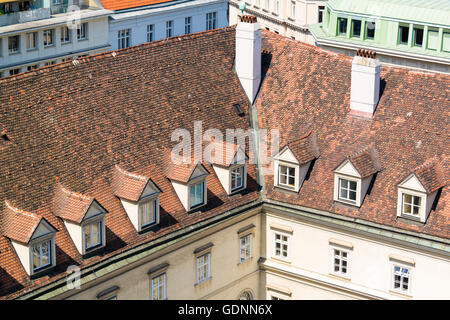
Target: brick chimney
column 365, row 87
column 248, row 55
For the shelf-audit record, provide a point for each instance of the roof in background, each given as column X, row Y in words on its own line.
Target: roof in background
column 426, row 11
column 128, row 4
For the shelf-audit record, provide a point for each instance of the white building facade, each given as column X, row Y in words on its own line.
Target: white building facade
column 34, row 34
column 133, row 26
column 289, row 18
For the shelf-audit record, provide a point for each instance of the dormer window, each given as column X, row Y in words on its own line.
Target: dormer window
column 354, row 175
column 139, row 196
column 229, row 163
column 294, row 161
column 418, row 191
column 32, row 237
column 84, row 219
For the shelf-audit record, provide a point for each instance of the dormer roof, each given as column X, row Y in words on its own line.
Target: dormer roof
column 183, row 169
column 22, row 226
column 231, row 153
column 75, row 207
column 304, row 149
column 365, row 162
column 430, row 174
column 132, row 186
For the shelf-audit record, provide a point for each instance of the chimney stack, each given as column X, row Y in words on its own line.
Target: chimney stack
column 248, row 55
column 365, row 86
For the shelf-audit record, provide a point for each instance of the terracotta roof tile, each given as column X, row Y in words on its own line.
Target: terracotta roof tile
column 127, row 185
column 17, row 224
column 305, row 149
column 366, row 161
column 431, row 174
column 128, row 4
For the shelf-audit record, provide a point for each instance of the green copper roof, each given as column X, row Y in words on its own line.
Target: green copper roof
column 425, row 11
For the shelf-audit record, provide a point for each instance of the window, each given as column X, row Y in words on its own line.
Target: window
column 92, row 234
column 286, row 176
column 123, row 37
column 370, row 30
column 42, row 255
column 211, row 20
column 13, row 72
column 267, row 4
column 196, row 194
column 65, row 35
column 356, row 28
column 48, row 38
column 433, row 40
column 277, row 6
column 147, row 212
column 401, row 281
column 411, row 204
column 403, row 34
column 150, row 32
column 237, row 178
column 258, row 3
column 340, row 261
column 187, row 25
column 29, row 68
column 293, row 9
column 49, row 63
column 418, row 37
column 203, row 267
column 347, row 189
column 169, row 28
column 446, row 42
column 31, row 40
column 14, row 44
column 321, row 10
column 342, row 26
column 245, row 247
column 281, row 245
column 82, row 31
column 158, row 285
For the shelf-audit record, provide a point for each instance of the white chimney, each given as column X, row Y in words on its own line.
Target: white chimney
column 365, row 87
column 248, row 55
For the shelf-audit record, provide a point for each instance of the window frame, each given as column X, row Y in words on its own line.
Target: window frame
column 340, row 198
column 188, row 25
column 198, row 266
column 243, row 173
column 169, row 28
column 50, row 254
column 35, row 40
column 320, row 13
column 211, row 20
column 192, row 183
column 101, row 233
column 123, row 38
column 293, row 9
column 341, row 251
column 164, row 286
column 412, row 195
column 400, row 289
column 17, row 48
column 82, row 31
column 45, row 39
column 415, row 29
column 248, row 244
column 63, row 34
column 353, row 28
column 151, row 32
column 282, row 242
column 287, row 185
column 366, row 30
column 155, row 207
column 339, row 33
column 400, row 35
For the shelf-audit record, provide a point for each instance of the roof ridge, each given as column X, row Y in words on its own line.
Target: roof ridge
column 113, row 53
column 132, row 175
column 17, row 210
column 74, row 194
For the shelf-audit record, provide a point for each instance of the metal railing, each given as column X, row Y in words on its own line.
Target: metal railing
column 24, row 16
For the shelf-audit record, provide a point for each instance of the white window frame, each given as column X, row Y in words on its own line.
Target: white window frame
column 211, row 20
column 16, row 49
column 31, row 39
column 187, row 25
column 66, row 35
column 50, row 254
column 242, row 172
column 199, row 267
column 160, row 285
column 49, row 34
column 247, row 247
column 282, row 242
column 267, row 4
column 340, row 179
column 13, row 72
column 100, row 224
column 204, row 191
column 169, row 28
column 150, row 32
column 399, row 273
column 420, row 206
column 123, row 38
column 293, row 8
column 276, row 6
column 288, row 186
column 82, row 31
column 341, row 259
column 155, row 208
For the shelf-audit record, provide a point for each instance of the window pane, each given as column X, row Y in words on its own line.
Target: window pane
column 418, row 37
column 417, row 201
column 433, row 40
column 352, row 195
column 407, row 208
column 353, row 185
column 342, row 22
column 356, row 32
column 407, row 198
column 404, row 34
column 370, row 27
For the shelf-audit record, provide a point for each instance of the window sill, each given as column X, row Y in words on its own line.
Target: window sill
column 203, row 281
column 41, row 271
column 265, row 10
column 339, row 276
column 32, row 49
column 286, row 261
column 13, row 53
column 291, row 19
column 81, row 40
column 64, row 43
column 400, row 294
column 245, row 261
column 49, row 46
column 347, row 202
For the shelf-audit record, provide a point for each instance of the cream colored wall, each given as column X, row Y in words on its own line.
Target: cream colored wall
column 75, row 234
column 369, row 264
column 23, row 252
column 228, row 277
column 131, row 208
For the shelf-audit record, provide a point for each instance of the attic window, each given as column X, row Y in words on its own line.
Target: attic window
column 239, row 110
column 42, row 254
column 196, row 194
column 92, row 233
column 147, row 212
column 411, row 204
column 347, row 189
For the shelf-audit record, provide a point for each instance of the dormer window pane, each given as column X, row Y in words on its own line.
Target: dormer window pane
column 237, row 176
column 147, row 211
column 411, row 204
column 286, row 176
column 196, row 194
column 92, row 234
column 347, row 189
column 41, row 254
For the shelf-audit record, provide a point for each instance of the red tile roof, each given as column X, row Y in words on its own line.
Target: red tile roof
column 366, row 161
column 128, row 4
column 305, row 148
column 308, row 85
column 18, row 224
column 227, row 154
column 127, row 185
column 432, row 174
column 69, row 205
column 113, row 109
